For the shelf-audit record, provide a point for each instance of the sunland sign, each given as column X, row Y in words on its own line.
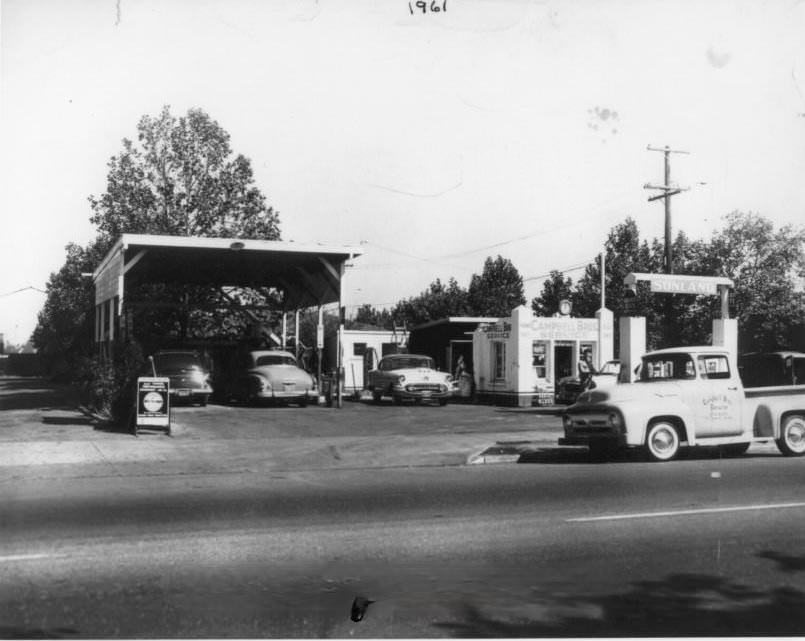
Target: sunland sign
column 680, row 284
column 683, row 286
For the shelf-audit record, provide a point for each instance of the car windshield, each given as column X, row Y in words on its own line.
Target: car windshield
column 176, row 361
column 275, row 359
column 667, row 367
column 408, row 362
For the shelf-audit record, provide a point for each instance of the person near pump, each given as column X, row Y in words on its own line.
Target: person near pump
column 586, row 370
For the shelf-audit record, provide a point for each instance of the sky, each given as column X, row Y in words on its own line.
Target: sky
column 426, row 141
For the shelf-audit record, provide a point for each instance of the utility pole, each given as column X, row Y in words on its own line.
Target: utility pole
column 668, row 190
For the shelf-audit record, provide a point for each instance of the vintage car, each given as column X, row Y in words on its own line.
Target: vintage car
column 412, row 377
column 189, row 379
column 569, row 387
column 269, row 375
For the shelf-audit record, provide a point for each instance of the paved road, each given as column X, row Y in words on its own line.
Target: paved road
column 161, row 544
column 705, row 547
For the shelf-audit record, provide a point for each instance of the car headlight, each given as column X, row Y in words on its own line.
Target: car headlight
column 566, row 421
column 400, row 379
column 197, row 376
column 614, row 419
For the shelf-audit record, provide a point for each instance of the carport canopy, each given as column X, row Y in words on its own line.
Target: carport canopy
column 308, row 274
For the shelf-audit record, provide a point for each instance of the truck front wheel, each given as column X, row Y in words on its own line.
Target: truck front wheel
column 792, row 436
column 662, row 441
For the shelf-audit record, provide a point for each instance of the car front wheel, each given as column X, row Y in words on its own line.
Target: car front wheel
column 662, row 441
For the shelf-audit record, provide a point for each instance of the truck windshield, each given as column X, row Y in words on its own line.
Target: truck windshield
column 666, row 367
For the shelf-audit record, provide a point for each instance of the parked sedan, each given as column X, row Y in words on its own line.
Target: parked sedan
column 410, row 376
column 569, row 387
column 272, row 375
column 189, row 379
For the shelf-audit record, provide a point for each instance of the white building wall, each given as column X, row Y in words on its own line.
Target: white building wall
column 519, row 333
column 353, row 363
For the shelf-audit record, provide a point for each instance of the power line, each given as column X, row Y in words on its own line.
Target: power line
column 572, row 268
column 17, row 291
column 542, row 232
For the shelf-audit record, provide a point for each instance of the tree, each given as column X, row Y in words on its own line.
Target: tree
column 368, row 316
column 498, row 289
column 766, row 266
column 438, row 301
column 63, row 334
column 179, row 178
column 182, row 180
column 555, row 289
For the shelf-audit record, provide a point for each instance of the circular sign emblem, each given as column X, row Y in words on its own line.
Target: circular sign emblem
column 152, row 402
column 564, row 307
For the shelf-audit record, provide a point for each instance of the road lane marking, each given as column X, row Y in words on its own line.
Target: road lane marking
column 28, row 557
column 709, row 510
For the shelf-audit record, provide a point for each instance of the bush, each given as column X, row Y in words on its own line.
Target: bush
column 108, row 386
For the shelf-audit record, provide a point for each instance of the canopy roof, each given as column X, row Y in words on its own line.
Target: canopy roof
column 308, row 274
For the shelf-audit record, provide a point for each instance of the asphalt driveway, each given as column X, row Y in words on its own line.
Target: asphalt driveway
column 43, row 431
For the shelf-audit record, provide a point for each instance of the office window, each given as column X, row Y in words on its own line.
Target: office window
column 499, row 349
column 358, row 349
column 538, row 351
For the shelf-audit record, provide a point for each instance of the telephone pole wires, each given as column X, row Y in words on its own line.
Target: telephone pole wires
column 668, row 189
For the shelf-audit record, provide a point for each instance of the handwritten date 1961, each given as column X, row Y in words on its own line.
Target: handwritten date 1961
column 427, row 7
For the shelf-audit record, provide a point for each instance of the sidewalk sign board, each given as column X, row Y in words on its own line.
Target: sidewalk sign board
column 153, row 402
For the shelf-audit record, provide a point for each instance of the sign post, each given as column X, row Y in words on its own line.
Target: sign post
column 153, row 403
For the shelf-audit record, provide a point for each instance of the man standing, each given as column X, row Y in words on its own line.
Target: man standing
column 586, row 369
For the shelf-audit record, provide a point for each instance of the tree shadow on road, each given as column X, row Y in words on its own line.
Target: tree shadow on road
column 36, row 394
column 679, row 605
column 76, row 421
column 576, row 455
column 37, row 633
column 581, row 454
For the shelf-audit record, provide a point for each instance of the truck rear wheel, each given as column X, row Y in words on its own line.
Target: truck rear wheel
column 662, row 441
column 792, row 436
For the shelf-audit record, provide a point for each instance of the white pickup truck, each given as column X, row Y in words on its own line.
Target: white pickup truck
column 687, row 396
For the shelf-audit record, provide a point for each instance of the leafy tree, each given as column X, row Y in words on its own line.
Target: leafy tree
column 63, row 335
column 497, row 290
column 368, row 316
column 438, row 301
column 766, row 266
column 556, row 288
column 182, row 180
column 179, row 178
